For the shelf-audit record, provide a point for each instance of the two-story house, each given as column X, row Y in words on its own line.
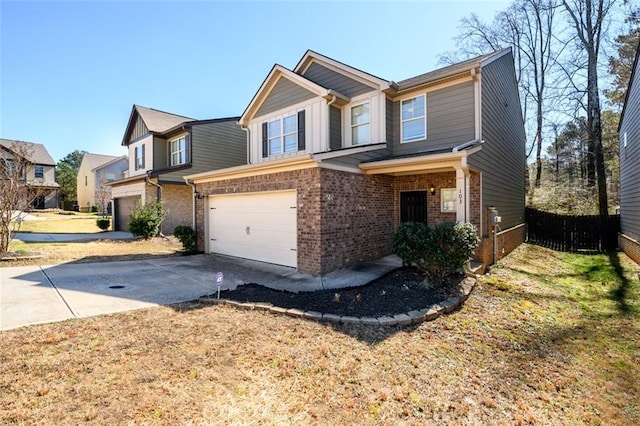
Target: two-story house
column 164, row 147
column 40, row 172
column 629, row 133
column 95, row 172
column 339, row 157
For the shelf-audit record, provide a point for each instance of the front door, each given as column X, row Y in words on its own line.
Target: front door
column 413, row 206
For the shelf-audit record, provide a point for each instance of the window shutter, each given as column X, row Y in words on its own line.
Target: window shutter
column 301, row 145
column 187, row 148
column 265, row 141
column 143, row 166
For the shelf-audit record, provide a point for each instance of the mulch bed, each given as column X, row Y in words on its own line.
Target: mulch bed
column 395, row 293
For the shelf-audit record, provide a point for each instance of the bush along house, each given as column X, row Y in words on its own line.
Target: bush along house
column 338, row 158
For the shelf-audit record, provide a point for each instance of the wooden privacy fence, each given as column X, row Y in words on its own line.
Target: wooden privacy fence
column 572, row 233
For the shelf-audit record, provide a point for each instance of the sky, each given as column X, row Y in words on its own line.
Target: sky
column 71, row 71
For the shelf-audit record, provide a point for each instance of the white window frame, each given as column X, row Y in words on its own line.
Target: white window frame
column 422, row 117
column 353, row 126
column 35, row 172
column 175, row 148
column 448, row 200
column 138, row 159
column 281, row 137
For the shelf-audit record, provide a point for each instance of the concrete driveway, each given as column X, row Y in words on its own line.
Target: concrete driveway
column 41, row 294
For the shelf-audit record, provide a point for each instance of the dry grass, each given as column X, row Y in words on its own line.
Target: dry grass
column 93, row 251
column 548, row 338
column 54, row 223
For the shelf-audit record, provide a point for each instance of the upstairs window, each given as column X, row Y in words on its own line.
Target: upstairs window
column 360, row 124
column 39, row 172
column 178, row 151
column 283, row 135
column 139, row 157
column 414, row 119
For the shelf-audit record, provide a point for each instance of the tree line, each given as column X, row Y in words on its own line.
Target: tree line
column 567, row 54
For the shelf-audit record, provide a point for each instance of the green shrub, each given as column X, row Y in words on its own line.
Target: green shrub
column 146, row 219
column 437, row 252
column 103, row 223
column 187, row 236
column 94, row 209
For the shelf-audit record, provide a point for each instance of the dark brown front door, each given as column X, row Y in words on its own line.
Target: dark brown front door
column 413, row 206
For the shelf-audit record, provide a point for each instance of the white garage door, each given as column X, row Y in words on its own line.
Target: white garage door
column 255, row 226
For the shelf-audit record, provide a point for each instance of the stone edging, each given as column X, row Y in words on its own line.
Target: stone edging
column 412, row 317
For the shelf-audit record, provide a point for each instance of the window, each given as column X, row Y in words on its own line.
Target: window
column 360, row 124
column 282, row 135
column 414, row 119
column 86, row 182
column 139, row 157
column 178, row 151
column 39, row 172
column 448, row 197
column 111, row 177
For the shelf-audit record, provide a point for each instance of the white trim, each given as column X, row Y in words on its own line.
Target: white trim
column 282, row 135
column 477, row 99
column 412, row 93
column 442, row 200
column 171, row 152
column 424, row 117
column 366, row 102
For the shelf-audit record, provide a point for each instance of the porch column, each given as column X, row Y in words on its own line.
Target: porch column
column 462, row 194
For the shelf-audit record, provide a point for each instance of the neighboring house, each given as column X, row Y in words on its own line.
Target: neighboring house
column 629, row 131
column 95, row 172
column 40, row 173
column 163, row 148
column 338, row 158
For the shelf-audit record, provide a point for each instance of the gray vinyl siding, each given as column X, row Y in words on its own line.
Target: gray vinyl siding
column 160, row 153
column 213, row 146
column 139, row 130
column 630, row 161
column 450, row 120
column 501, row 159
column 389, row 118
column 284, row 94
column 335, row 128
column 333, row 80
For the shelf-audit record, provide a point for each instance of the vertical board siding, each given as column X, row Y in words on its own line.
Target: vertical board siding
column 450, row 120
column 630, row 161
column 285, row 93
column 139, row 130
column 330, row 79
column 502, row 157
column 335, row 128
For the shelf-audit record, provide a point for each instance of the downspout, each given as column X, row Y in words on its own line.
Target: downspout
column 158, row 193
column 246, row 129
column 333, row 99
column 194, row 196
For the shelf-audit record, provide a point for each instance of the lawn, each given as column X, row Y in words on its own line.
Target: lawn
column 547, row 338
column 78, row 223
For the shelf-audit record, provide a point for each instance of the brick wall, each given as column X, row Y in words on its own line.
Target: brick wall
column 178, row 201
column 358, row 218
column 630, row 247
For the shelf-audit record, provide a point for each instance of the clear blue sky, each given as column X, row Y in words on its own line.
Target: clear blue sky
column 71, row 70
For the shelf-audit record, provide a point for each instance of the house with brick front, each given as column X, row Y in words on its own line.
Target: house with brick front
column 629, row 133
column 338, row 158
column 162, row 149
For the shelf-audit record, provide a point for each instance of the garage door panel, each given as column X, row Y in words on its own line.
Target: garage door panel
column 260, row 226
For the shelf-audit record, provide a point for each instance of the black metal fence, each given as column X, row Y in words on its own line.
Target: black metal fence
column 572, row 233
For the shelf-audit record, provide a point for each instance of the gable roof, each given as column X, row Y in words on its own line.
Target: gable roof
column 156, row 121
column 36, row 152
column 96, row 160
column 277, row 72
column 450, row 70
column 310, row 57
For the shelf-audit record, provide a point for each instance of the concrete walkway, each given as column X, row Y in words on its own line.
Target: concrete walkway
column 41, row 294
column 29, row 237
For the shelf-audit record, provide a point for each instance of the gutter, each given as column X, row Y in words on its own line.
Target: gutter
column 246, row 129
column 466, row 145
column 158, row 193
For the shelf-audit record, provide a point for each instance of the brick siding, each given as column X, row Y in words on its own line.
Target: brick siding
column 178, row 201
column 630, row 247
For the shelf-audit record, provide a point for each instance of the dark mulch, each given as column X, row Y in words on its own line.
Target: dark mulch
column 395, row 293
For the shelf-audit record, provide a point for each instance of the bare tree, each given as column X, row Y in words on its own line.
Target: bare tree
column 17, row 194
column 589, row 18
column 527, row 26
column 102, row 193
